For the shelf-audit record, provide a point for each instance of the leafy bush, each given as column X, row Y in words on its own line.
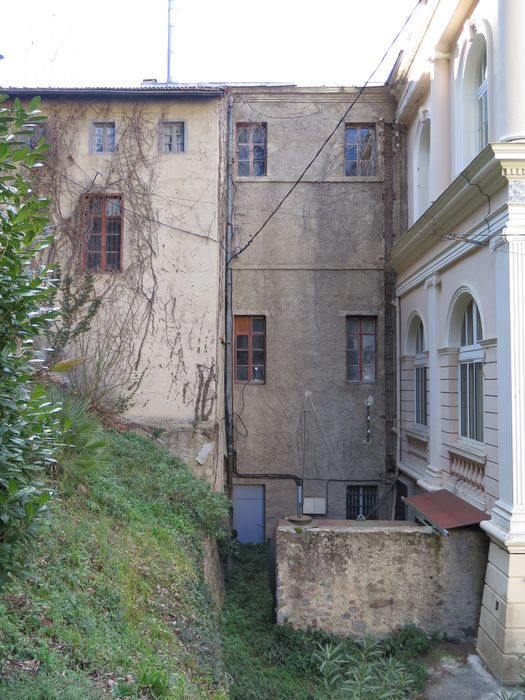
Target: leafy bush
column 27, row 426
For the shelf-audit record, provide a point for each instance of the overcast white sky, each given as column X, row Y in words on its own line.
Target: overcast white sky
column 120, row 42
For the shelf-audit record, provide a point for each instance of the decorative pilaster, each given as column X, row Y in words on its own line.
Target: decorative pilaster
column 509, row 87
column 501, row 635
column 433, row 471
column 440, row 124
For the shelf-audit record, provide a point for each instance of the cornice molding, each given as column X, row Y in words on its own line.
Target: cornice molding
column 485, row 175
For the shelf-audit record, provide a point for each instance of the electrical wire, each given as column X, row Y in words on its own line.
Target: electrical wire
column 325, row 142
column 135, row 213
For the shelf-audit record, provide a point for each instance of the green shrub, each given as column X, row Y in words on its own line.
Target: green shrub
column 27, row 426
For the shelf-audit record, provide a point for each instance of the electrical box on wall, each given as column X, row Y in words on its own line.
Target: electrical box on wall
column 314, row 506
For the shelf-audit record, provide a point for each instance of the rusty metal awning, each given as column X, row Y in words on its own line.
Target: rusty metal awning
column 445, row 511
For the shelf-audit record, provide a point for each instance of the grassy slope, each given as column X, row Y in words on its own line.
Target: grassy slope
column 119, row 607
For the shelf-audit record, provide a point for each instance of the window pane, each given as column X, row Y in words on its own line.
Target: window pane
column 351, row 342
column 258, row 341
column 244, row 167
column 242, row 374
column 369, row 325
column 258, row 357
column 369, row 374
column 259, row 168
column 352, row 357
column 258, row 325
column 369, row 341
column 257, row 373
column 259, row 135
column 478, row 401
column 242, row 135
column 368, row 357
column 242, row 357
column 352, row 325
column 242, row 342
column 352, row 373
column 464, row 400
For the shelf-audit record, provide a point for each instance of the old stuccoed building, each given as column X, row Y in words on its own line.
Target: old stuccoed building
column 313, row 362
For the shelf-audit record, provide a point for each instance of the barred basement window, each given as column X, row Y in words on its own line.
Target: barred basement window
column 105, row 228
column 361, row 502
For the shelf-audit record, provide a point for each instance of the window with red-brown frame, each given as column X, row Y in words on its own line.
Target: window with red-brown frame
column 361, row 342
column 250, row 349
column 105, row 227
column 251, row 149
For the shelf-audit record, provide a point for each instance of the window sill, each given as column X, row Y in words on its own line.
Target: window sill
column 468, row 449
column 419, row 432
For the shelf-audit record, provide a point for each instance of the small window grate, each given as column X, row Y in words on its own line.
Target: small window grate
column 361, row 502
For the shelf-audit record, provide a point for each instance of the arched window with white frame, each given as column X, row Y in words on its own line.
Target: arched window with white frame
column 470, row 359
column 474, row 97
column 417, row 347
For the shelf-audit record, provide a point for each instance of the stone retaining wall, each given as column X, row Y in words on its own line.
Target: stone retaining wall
column 353, row 578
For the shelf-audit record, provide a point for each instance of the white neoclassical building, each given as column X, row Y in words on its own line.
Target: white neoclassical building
column 460, row 85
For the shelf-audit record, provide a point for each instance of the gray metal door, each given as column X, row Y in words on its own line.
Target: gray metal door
column 248, row 513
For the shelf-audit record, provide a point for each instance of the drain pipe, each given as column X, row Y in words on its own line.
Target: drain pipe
column 231, row 459
column 228, row 304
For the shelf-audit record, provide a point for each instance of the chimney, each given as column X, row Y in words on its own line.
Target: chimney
column 171, row 40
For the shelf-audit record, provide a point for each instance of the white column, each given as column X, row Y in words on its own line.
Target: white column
column 439, row 125
column 508, row 84
column 433, row 471
column 501, row 634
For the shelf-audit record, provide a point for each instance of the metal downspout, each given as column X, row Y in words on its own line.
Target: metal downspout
column 228, row 303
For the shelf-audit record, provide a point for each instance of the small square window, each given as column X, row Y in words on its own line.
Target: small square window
column 360, row 150
column 361, row 349
column 173, row 137
column 361, row 502
column 103, row 138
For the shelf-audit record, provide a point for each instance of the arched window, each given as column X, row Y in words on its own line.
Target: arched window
column 471, row 374
column 416, row 346
column 420, row 377
column 482, row 108
column 475, row 98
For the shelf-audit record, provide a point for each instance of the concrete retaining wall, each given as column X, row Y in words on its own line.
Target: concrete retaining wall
column 372, row 577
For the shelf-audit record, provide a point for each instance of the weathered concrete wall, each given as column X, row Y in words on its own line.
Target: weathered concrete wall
column 317, row 261
column 365, row 577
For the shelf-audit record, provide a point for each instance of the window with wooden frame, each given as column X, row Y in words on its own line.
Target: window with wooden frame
column 251, row 149
column 173, row 137
column 105, row 224
column 103, row 137
column 361, row 349
column 360, row 150
column 361, row 502
column 250, row 349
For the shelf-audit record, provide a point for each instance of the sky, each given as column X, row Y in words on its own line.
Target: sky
column 107, row 43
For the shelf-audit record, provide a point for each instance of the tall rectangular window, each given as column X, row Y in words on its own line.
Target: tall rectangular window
column 104, row 137
column 360, row 150
column 105, row 227
column 361, row 502
column 173, row 137
column 250, row 349
column 421, row 376
column 471, row 381
column 361, row 349
column 251, row 149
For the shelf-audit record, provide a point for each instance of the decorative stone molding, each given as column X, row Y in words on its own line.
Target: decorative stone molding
column 433, row 281
column 517, row 187
column 417, row 443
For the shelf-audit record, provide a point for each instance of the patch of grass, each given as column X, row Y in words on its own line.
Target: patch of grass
column 266, row 660
column 118, row 606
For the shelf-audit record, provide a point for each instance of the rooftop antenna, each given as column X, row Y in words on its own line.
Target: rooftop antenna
column 171, row 37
